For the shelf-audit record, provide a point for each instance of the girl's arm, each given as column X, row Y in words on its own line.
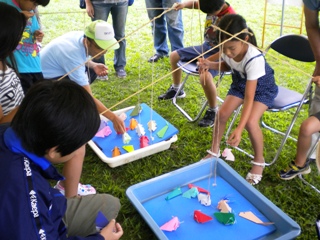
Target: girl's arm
column 235, row 137
column 205, row 65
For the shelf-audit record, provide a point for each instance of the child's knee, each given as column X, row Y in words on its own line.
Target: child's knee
column 306, row 129
column 205, row 78
column 174, row 57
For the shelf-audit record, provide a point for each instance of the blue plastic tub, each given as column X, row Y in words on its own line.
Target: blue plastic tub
column 223, row 182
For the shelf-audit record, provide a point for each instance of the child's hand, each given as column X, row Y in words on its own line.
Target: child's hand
column 316, row 80
column 178, row 6
column 38, row 35
column 118, row 125
column 100, row 69
column 203, row 65
column 113, row 231
column 234, row 138
column 28, row 14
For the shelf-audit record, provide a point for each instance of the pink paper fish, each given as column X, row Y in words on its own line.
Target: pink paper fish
column 172, row 225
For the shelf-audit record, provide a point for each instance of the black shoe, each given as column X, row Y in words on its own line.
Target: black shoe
column 155, row 58
column 208, row 119
column 171, row 92
column 293, row 170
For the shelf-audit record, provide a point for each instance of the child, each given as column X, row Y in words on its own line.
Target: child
column 12, row 24
column 253, row 85
column 215, row 9
column 27, row 51
column 54, row 121
column 309, row 126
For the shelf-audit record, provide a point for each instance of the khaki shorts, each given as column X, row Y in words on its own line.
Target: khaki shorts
column 81, row 213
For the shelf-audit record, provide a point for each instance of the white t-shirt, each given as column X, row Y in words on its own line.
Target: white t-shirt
column 62, row 55
column 254, row 69
column 11, row 93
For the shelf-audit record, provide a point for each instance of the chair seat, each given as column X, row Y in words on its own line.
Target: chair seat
column 286, row 99
column 189, row 68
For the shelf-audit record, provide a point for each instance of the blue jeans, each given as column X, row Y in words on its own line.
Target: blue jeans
column 171, row 21
column 119, row 16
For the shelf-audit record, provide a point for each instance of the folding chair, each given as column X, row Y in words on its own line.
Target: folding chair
column 190, row 69
column 282, row 3
column 294, row 47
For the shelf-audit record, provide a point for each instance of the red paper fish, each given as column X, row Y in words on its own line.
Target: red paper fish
column 199, row 188
column 144, row 141
column 201, row 217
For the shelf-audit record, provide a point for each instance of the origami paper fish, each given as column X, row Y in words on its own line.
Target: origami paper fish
column 163, row 131
column 133, row 123
column 228, row 154
column 176, row 192
column 101, row 221
column 128, row 148
column 172, row 225
column 223, row 206
column 144, row 141
column 102, row 125
column 191, row 193
column 126, row 138
column 123, row 116
column 116, row 152
column 201, row 217
column 204, row 199
column 104, row 132
column 137, row 109
column 140, row 130
column 152, row 125
column 225, row 218
column 199, row 188
column 251, row 217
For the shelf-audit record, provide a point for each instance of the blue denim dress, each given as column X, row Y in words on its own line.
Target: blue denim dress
column 266, row 90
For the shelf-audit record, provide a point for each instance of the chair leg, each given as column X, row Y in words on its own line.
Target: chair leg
column 287, row 134
column 309, row 184
column 174, row 102
column 309, row 154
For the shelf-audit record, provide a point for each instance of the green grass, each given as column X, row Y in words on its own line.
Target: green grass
column 297, row 200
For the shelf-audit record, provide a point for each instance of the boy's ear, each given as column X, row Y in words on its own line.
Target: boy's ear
column 52, row 153
column 247, row 38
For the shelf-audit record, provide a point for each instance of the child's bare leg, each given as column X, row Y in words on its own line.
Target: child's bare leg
column 176, row 76
column 229, row 105
column 308, row 127
column 209, row 89
column 256, row 136
column 72, row 173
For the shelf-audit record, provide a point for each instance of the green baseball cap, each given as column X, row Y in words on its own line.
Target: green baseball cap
column 102, row 33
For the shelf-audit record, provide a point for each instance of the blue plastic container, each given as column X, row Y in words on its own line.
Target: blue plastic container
column 223, row 182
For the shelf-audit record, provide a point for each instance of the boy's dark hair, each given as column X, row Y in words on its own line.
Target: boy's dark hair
column 42, row 2
column 233, row 24
column 12, row 24
column 210, row 6
column 58, row 114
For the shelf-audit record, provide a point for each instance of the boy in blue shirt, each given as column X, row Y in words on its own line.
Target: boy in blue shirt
column 53, row 123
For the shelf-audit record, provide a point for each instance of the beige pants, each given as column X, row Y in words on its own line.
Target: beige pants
column 81, row 213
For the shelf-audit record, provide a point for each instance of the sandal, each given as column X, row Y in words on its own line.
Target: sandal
column 254, row 178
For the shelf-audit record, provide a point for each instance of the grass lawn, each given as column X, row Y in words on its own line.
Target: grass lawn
column 297, row 200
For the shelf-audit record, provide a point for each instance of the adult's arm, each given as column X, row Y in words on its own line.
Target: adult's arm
column 313, row 31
